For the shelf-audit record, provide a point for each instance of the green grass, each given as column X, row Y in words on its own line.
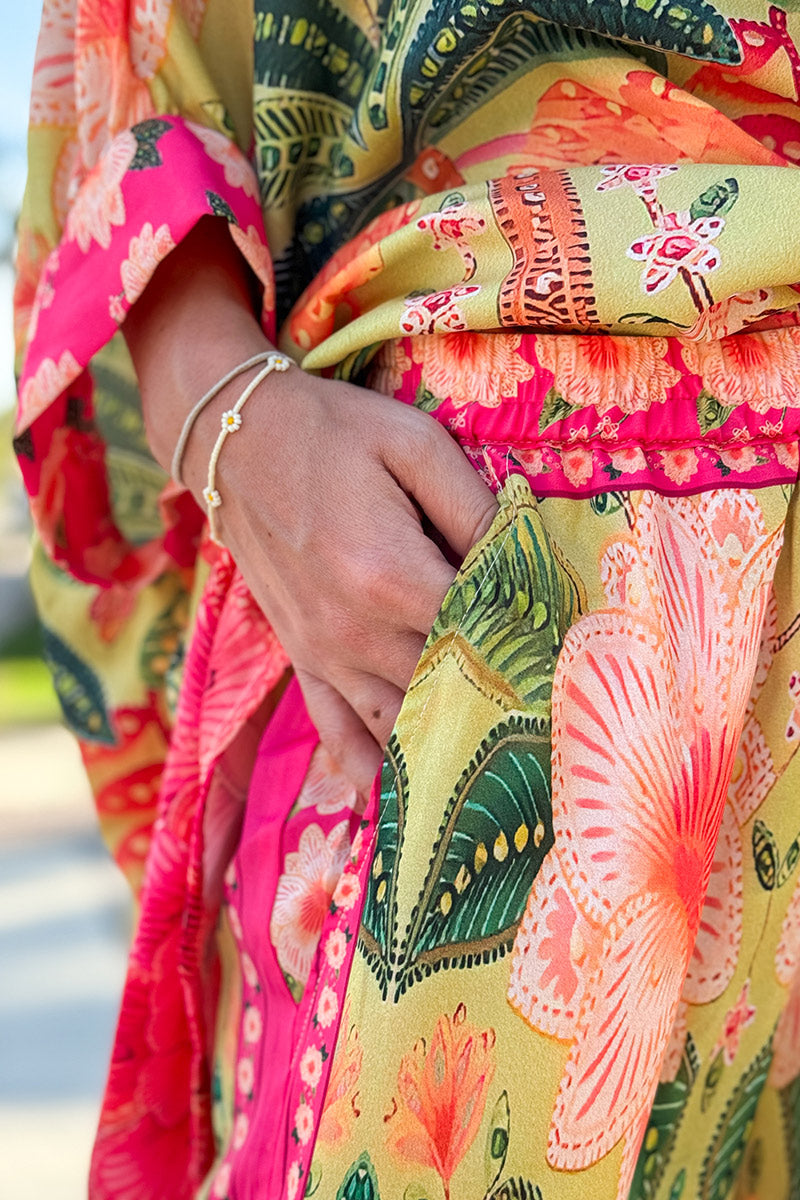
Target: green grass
column 26, row 693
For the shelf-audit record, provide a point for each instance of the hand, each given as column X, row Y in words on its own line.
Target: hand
column 322, row 503
column 323, row 492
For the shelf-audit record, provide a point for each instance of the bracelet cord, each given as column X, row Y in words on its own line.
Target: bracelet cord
column 231, row 422
column 203, row 402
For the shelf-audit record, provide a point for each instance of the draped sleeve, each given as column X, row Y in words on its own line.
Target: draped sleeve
column 139, row 126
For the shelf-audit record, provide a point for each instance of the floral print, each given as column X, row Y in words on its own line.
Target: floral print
column 470, row 368
column 305, row 888
column 626, row 373
column 588, row 275
column 680, row 244
column 441, row 1090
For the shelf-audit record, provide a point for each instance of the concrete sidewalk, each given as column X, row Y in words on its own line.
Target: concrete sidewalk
column 64, row 920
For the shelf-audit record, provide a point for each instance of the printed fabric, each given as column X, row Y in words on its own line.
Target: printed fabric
column 557, row 954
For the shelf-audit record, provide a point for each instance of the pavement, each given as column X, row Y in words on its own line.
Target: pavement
column 64, row 927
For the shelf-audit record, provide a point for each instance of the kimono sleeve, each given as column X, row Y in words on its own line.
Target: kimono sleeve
column 139, row 125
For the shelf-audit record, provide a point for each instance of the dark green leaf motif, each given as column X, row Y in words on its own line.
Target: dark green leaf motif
column 496, row 830
column 147, row 134
column 790, row 1115
column 497, row 1140
column 360, row 1182
column 516, row 1189
column 765, row 854
column 554, row 408
column 220, row 207
column 715, row 200
column 513, row 603
column 79, row 691
column 710, row 413
column 691, row 27
column 726, row 1152
column 665, row 1117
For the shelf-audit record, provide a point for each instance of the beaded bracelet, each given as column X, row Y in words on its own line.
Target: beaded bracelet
column 188, row 425
column 231, row 421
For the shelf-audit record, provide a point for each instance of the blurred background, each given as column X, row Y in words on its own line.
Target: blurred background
column 63, row 909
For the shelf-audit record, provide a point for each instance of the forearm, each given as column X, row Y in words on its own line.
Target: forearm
column 194, row 321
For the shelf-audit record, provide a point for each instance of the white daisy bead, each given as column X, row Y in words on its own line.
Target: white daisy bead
column 231, row 421
column 212, row 497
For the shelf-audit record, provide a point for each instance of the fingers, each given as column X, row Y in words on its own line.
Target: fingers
column 342, row 732
column 433, row 469
column 376, row 701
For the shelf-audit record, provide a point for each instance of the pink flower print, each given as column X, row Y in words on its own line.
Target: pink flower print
column 234, row 921
column 46, row 384
column 222, row 150
column 642, row 178
column 644, row 877
column 676, row 1045
column 577, row 464
column 336, row 949
column 117, row 309
column 326, row 787
column 771, row 428
column 788, row 455
column 628, row 373
column 437, row 312
column 629, row 460
column 249, row 971
column 756, row 369
column 679, row 244
column 679, row 465
column 99, row 206
column 341, row 1108
column 222, row 1181
column 105, row 113
column 388, row 368
column 252, row 1025
column 472, row 368
column 740, row 434
column 608, row 429
column 311, row 1067
column 533, row 461
column 785, row 1057
column 348, row 890
column 327, row 1007
column 737, row 1018
column 241, row 1128
column 304, row 1123
column 149, row 23
column 303, row 896
column 739, row 458
column 256, row 252
column 245, row 1076
column 145, row 252
column 293, row 1181
column 793, row 727
column 454, row 226
column 52, row 92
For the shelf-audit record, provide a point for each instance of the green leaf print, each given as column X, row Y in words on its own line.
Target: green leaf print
column 516, row 1189
column 715, row 200
column 147, row 134
column 360, row 1182
column 665, row 1117
column 497, row 1140
column 79, row 691
column 765, row 855
column 710, row 413
column 691, row 27
column 726, row 1152
column 380, row 911
column 554, row 408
